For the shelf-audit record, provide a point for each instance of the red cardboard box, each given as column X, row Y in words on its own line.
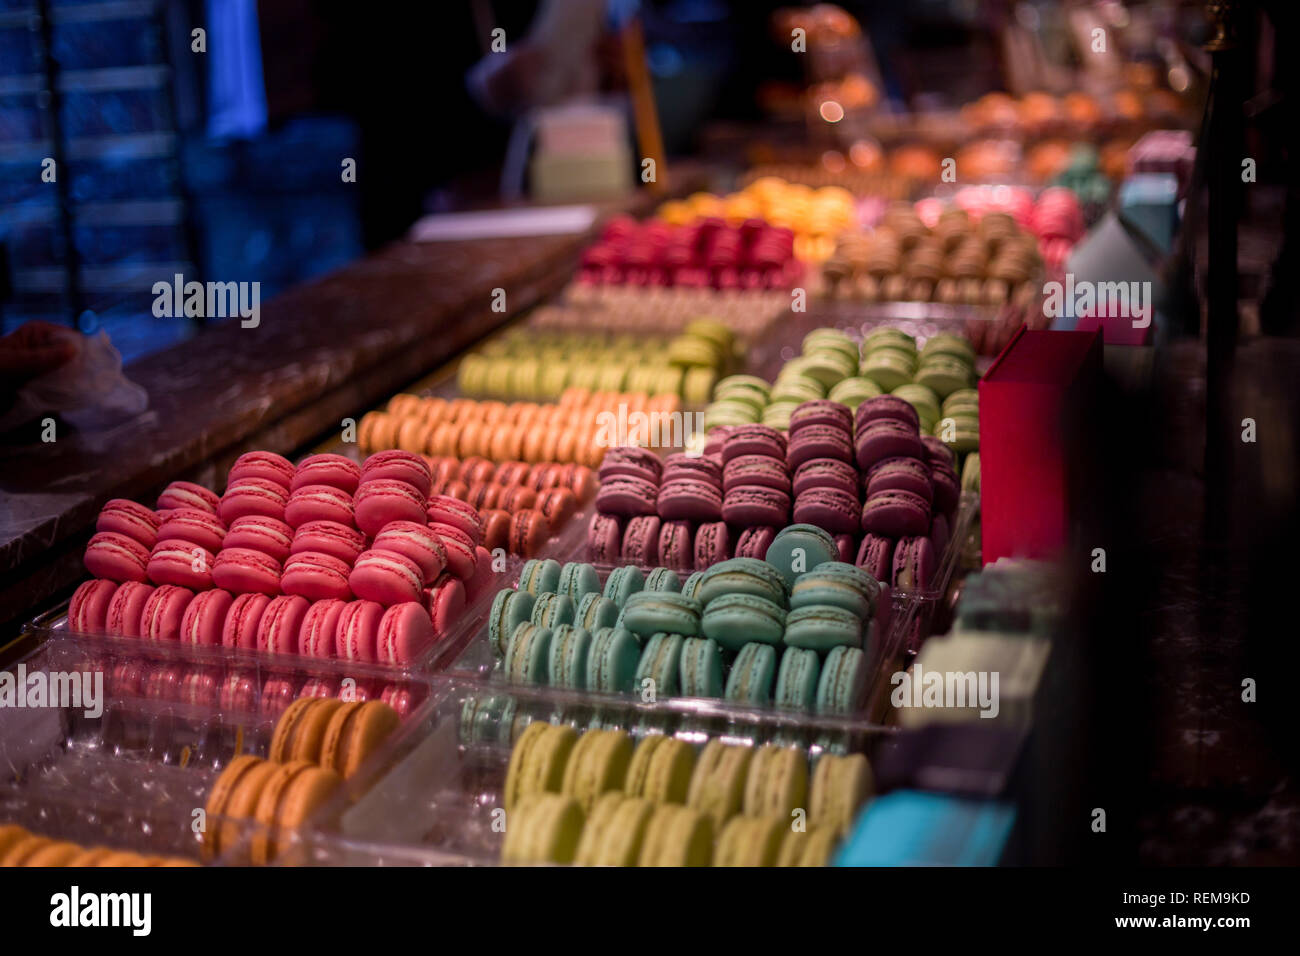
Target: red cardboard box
column 1035, row 447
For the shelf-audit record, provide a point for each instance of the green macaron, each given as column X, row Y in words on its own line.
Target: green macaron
column 742, row 576
column 750, row 680
column 691, row 586
column 528, row 655
column 799, row 548
column 540, row 575
column 943, row 375
column 701, row 668
column 733, row 620
column 552, row 610
column 886, row 336
column 612, row 660
column 663, row 579
column 819, row 627
column 842, row 681
column 623, row 582
column 567, row 661
column 889, row 368
column 577, row 580
column 840, row 584
column 660, row 662
column 854, row 391
column 596, row 611
column 648, row 612
column 796, row 680
column 777, row 415
column 510, row 608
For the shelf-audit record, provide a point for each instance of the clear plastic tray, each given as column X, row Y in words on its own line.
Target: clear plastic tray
column 434, row 800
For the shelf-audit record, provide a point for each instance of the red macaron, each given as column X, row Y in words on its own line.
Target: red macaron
column 315, row 576
column 386, row 577
column 416, row 541
column 129, row 518
column 243, row 570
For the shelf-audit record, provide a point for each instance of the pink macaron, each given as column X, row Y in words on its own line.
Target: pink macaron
column 382, row 500
column 386, row 577
column 126, row 608
column 398, row 466
column 399, row 697
column 333, row 470
column 116, row 557
column 270, row 536
column 405, row 633
column 266, row 465
column 242, row 621
column 243, row 570
column 181, row 563
column 316, row 638
column 460, row 548
column 482, row 577
column 318, row 686
column 445, row 601
column 357, row 631
column 163, row 613
column 186, row 494
column 199, row 686
column 238, row 692
column 88, row 610
column 277, row 694
column 316, row 576
column 329, row 537
column 198, row 527
column 443, row 509
column 319, row 503
column 418, row 542
column 205, row 617
column 277, row 633
column 130, row 518
column 253, row 496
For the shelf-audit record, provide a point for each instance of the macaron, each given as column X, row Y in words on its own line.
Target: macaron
column 843, row 679
column 270, row 536
column 537, row 762
column 876, row 556
column 750, row 680
column 820, row 627
column 540, row 575
column 915, row 564
column 895, row 514
column 756, row 470
column 88, row 609
column 396, row 465
column 676, row 549
column 243, row 621
column 444, row 509
column 244, row 570
column 129, row 518
column 567, row 666
column 510, row 608
column 886, row 438
column 840, row 786
column 116, row 557
column 612, row 660
column 552, row 609
column 336, row 471
column 462, row 555
column 662, row 579
column 622, row 583
column 640, row 544
column 649, row 612
column 356, row 634
column 160, row 619
column 596, row 611
column 627, row 497
column 379, row 501
column 754, row 542
column 840, row 584
column 415, row 540
column 277, row 632
column 712, row 544
column 386, row 578
column 717, row 787
column 777, row 783
column 753, row 505
column 319, row 627
column 355, row 731
column 528, row 655
column 597, row 765
column 405, row 633
column 186, row 494
column 799, row 548
column 658, row 671
column 796, row 679
column 604, row 539
column 700, row 669
column 181, row 563
column 836, row 511
column 311, row 503
column 750, row 842
column 546, row 828
column 252, row 496
column 445, row 601
column 577, row 580
column 316, row 576
column 676, row 836
column 661, row 769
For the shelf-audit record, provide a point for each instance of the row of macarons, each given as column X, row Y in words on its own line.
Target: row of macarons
column 330, row 628
column 600, row 799
column 225, row 691
column 20, row 847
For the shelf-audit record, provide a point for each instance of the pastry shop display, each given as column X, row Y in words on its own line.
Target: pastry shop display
column 686, row 364
column 605, row 799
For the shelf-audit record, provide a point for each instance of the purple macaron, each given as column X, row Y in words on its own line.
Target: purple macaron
column 818, row 441
column 631, row 462
column 900, row 474
column 748, row 505
column 847, row 546
column 836, row 511
column 887, row 438
column 936, row 452
column 716, row 439
column 692, row 466
column 712, row 544
column 826, row 473
column 947, row 488
column 603, row 538
column 896, row 513
column 914, row 564
column 886, row 408
column 675, row 545
column 641, row 541
column 753, row 440
column 821, row 412
column 756, row 470
column 686, row 499
column 754, row 542
column 626, row 496
column 876, row 556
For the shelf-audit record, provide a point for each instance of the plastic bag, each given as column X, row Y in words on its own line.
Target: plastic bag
column 90, row 391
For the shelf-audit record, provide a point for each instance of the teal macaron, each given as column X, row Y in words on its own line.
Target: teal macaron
column 577, row 580
column 567, row 660
column 663, row 579
column 842, row 682
column 596, row 611
column 661, row 662
column 800, row 548
column 510, row 608
column 528, row 655
column 691, row 586
column 819, row 627
column 742, row 576
column 701, row 668
column 840, row 584
column 540, row 575
column 612, row 660
column 796, row 679
column 734, row 620
column 648, row 612
column 551, row 610
column 623, row 582
column 750, row 680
